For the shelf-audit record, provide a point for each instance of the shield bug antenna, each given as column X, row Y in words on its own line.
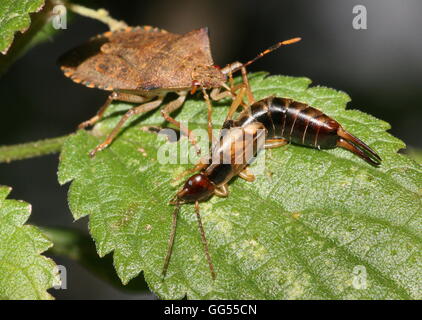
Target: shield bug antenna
column 236, row 66
column 271, row 49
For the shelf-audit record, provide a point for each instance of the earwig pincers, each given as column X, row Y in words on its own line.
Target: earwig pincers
column 269, row 123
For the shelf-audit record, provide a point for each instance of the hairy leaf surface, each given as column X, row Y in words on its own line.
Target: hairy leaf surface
column 14, row 16
column 314, row 225
column 24, row 272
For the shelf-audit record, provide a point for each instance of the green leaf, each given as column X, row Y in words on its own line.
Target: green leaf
column 40, row 30
column 415, row 154
column 312, row 226
column 14, row 16
column 75, row 245
column 24, row 272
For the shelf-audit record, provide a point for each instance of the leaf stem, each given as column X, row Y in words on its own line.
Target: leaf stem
column 31, row 149
column 100, row 15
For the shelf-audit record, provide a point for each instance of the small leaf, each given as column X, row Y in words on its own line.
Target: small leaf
column 315, row 225
column 14, row 16
column 24, row 272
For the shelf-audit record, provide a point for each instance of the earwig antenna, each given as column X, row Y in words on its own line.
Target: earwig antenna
column 171, row 239
column 270, row 49
column 204, row 240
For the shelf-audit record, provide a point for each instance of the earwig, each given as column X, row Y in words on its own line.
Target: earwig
column 278, row 121
column 286, row 121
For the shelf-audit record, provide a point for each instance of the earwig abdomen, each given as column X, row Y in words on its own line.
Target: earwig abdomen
column 294, row 121
column 302, row 124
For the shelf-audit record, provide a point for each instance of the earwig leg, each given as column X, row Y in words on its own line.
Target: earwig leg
column 275, row 143
column 134, row 111
column 204, row 240
column 112, row 97
column 222, row 191
column 235, row 104
column 173, row 106
column 171, row 240
column 355, row 145
column 246, row 175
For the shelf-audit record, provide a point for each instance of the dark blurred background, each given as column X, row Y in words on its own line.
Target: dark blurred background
column 380, row 68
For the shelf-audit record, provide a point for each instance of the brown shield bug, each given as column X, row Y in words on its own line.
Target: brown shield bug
column 142, row 64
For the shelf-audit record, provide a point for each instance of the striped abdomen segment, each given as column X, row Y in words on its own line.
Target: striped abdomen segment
column 295, row 121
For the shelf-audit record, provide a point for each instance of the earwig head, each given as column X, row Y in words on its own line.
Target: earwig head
column 196, row 188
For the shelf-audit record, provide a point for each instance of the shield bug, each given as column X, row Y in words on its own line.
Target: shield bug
column 142, row 64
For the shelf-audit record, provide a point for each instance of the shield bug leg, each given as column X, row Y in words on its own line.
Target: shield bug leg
column 245, row 81
column 249, row 93
column 235, row 104
column 173, row 106
column 98, row 116
column 233, row 67
column 134, row 111
column 216, row 93
column 209, row 106
column 231, row 81
column 112, row 97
